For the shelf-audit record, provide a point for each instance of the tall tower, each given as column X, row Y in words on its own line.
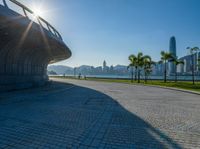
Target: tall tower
column 172, row 50
column 104, row 66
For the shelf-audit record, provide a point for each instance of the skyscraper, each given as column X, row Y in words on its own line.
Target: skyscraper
column 104, row 66
column 172, row 50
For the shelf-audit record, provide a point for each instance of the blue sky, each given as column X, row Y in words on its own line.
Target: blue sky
column 111, row 30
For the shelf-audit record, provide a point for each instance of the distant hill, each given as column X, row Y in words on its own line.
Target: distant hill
column 51, row 72
column 120, row 67
column 87, row 70
column 60, row 69
column 84, row 67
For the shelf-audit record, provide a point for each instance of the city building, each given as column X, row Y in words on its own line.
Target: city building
column 187, row 67
column 172, row 50
column 182, row 69
column 105, row 67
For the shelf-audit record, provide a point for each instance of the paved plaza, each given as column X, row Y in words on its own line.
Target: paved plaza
column 72, row 114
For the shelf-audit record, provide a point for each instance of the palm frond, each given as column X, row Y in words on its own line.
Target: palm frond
column 162, row 53
column 147, row 57
column 160, row 62
column 188, row 48
column 195, row 48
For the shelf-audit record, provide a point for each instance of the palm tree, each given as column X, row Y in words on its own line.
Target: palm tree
column 193, row 51
column 147, row 66
column 132, row 59
column 140, row 62
column 165, row 56
column 177, row 62
column 137, row 61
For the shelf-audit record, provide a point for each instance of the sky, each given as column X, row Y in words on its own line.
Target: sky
column 111, row 30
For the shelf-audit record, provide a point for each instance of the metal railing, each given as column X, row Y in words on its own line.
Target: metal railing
column 40, row 20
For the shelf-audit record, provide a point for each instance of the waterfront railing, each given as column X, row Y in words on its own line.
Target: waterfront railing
column 42, row 22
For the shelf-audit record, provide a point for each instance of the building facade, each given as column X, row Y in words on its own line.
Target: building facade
column 172, row 50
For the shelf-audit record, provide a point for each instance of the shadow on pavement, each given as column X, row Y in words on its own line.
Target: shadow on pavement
column 77, row 117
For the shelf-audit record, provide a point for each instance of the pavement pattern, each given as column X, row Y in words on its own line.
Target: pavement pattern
column 73, row 114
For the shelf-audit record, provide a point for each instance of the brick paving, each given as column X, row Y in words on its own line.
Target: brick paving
column 87, row 114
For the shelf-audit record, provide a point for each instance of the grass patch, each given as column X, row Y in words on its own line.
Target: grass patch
column 181, row 85
column 187, row 85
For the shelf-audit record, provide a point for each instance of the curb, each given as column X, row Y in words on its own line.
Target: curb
column 163, row 87
column 171, row 88
column 156, row 86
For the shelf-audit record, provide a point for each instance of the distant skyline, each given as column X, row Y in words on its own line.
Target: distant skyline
column 111, row 30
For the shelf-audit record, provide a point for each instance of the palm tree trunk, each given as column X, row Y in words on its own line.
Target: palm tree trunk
column 176, row 74
column 145, row 77
column 193, row 69
column 132, row 75
column 165, row 72
column 138, row 76
column 135, row 74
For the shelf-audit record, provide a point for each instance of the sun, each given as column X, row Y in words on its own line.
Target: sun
column 38, row 11
column 38, row 8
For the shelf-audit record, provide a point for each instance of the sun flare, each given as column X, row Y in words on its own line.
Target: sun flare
column 38, row 11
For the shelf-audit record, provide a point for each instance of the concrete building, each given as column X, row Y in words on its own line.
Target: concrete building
column 172, row 50
column 26, row 48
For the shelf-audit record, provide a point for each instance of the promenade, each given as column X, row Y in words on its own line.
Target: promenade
column 87, row 114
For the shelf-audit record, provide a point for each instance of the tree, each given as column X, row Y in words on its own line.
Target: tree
column 147, row 66
column 177, row 62
column 132, row 58
column 140, row 62
column 165, row 56
column 193, row 51
column 137, row 61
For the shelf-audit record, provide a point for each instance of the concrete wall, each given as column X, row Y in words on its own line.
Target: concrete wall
column 26, row 49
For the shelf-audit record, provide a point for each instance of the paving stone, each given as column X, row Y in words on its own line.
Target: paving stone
column 92, row 115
